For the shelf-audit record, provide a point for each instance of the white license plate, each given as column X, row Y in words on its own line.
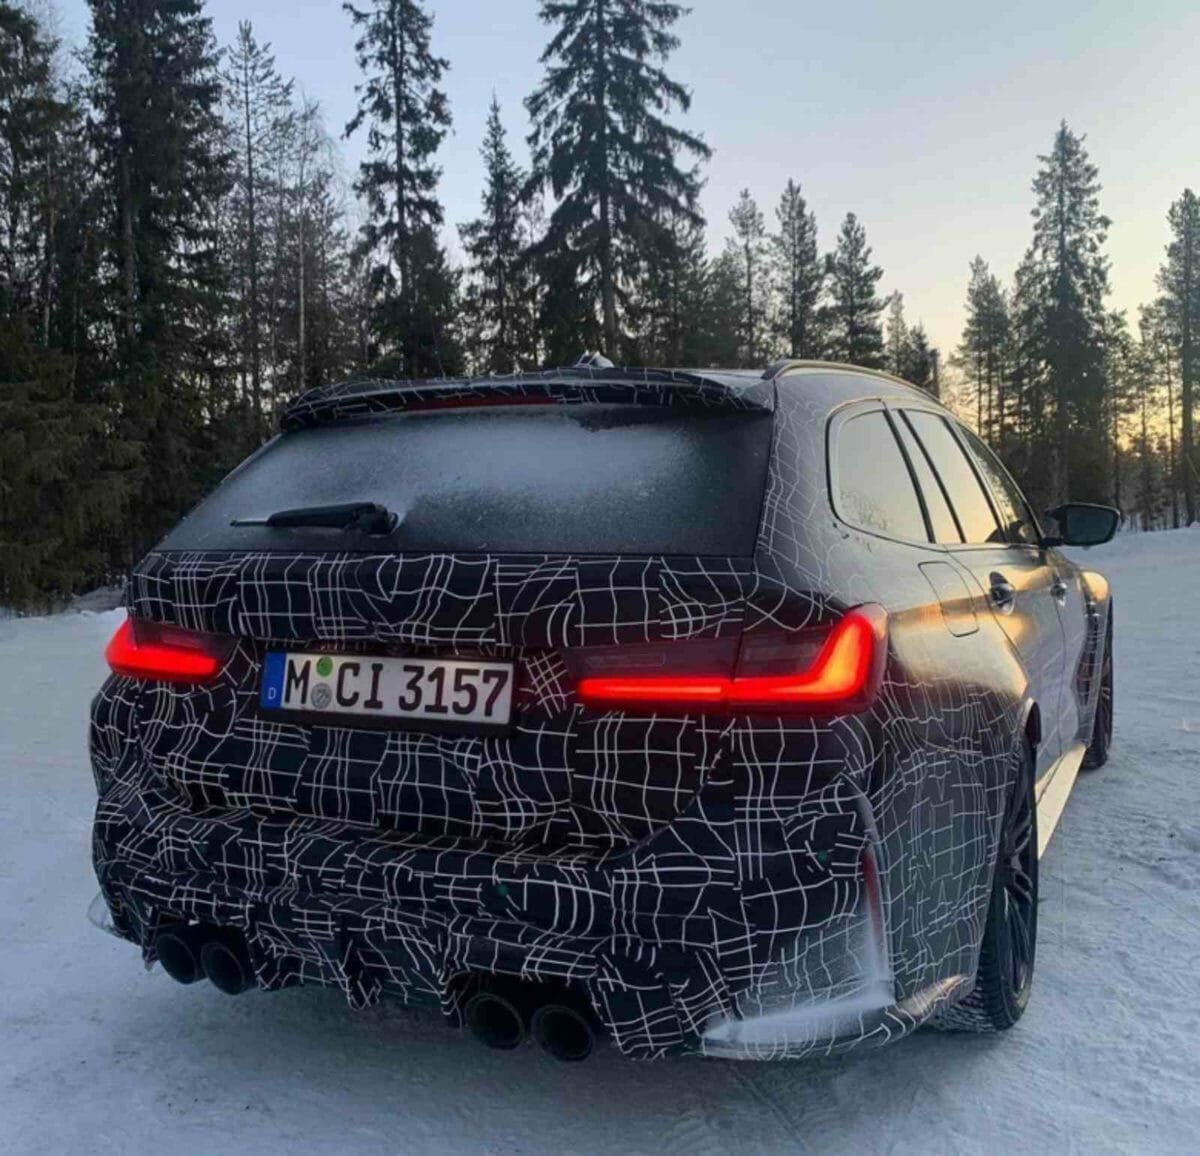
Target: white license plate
column 430, row 690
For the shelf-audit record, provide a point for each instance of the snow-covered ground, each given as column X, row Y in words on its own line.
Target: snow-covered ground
column 98, row 1056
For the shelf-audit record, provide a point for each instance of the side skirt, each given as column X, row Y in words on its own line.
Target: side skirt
column 1053, row 797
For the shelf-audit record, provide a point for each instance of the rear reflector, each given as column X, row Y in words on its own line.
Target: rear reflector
column 141, row 649
column 842, row 677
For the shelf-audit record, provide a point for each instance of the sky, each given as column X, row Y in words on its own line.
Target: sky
column 925, row 118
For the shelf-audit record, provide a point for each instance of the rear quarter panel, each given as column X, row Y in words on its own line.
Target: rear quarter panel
column 953, row 703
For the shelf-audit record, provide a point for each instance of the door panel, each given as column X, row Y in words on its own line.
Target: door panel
column 1013, row 579
column 1015, row 582
column 1075, row 614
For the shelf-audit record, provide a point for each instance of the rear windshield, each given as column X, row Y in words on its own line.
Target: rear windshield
column 579, row 479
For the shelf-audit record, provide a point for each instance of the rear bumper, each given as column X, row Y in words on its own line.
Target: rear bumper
column 675, row 950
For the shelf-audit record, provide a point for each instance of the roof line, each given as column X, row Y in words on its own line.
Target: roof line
column 790, row 365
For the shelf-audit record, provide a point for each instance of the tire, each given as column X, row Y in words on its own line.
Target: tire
column 1096, row 754
column 1009, row 946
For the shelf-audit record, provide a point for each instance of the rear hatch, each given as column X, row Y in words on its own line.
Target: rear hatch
column 553, row 526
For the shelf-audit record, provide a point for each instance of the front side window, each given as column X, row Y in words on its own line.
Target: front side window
column 1014, row 510
column 874, row 489
column 966, row 492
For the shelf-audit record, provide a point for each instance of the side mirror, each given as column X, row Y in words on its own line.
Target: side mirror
column 1083, row 524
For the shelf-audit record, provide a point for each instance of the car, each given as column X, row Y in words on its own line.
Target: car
column 705, row 711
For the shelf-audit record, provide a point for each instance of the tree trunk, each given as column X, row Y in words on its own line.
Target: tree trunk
column 252, row 313
column 608, row 291
column 128, row 256
column 402, row 254
column 1172, row 461
column 1188, row 322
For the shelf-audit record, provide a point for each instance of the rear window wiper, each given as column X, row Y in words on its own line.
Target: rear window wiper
column 367, row 517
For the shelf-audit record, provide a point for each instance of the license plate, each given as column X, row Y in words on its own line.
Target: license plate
column 449, row 692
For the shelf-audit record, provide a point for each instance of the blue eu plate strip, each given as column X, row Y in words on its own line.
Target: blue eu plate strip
column 272, row 680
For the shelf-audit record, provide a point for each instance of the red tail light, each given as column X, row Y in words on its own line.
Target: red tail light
column 838, row 674
column 141, row 649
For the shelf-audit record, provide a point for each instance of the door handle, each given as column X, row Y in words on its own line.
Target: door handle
column 1002, row 593
column 1058, row 588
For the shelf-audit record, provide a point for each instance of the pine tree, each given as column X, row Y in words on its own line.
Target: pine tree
column 675, row 301
column 602, row 144
column 798, row 275
column 921, row 363
column 897, row 347
column 853, row 314
column 1062, row 315
column 408, row 116
column 33, row 120
column 1179, row 281
column 748, row 248
column 261, row 113
column 1160, row 353
column 49, row 510
column 723, row 318
column 984, row 353
column 162, row 173
column 1120, row 400
column 494, row 245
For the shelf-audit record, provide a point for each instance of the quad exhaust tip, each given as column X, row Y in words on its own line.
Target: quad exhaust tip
column 503, row 1016
column 563, row 1032
column 226, row 963
column 191, row 952
column 494, row 1020
column 178, row 949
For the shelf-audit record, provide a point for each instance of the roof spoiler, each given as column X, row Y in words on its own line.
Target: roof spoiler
column 685, row 389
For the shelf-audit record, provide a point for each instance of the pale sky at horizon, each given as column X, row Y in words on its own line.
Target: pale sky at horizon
column 925, row 119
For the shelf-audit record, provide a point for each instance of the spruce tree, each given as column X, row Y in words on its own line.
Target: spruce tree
column 494, row 245
column 747, row 246
column 798, row 274
column 407, row 117
column 853, row 314
column 984, row 353
column 33, row 121
column 1063, row 286
column 260, row 102
column 897, row 339
column 49, row 510
column 921, row 363
column 675, row 301
column 725, row 296
column 163, row 170
column 603, row 145
column 1179, row 281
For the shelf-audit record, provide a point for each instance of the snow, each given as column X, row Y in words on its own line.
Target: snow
column 96, row 1055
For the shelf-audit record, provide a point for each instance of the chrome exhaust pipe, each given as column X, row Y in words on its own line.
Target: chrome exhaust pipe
column 178, row 948
column 495, row 1020
column 563, row 1032
column 226, row 962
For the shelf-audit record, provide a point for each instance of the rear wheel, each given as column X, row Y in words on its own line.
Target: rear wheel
column 1006, row 957
column 1102, row 725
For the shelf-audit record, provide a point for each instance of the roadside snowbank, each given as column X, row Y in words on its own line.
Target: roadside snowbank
column 98, row 1056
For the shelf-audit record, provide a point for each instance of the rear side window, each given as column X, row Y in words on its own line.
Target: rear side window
column 967, row 495
column 1014, row 510
column 525, row 479
column 874, row 489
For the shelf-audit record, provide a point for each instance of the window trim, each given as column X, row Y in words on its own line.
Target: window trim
column 837, row 419
column 959, row 430
column 937, row 477
column 964, row 448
